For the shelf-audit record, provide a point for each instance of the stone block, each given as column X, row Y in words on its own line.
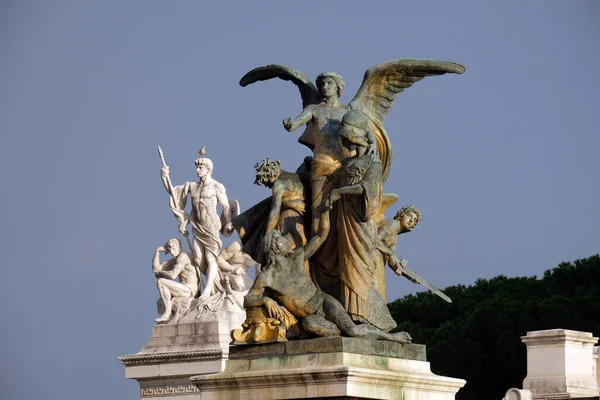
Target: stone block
column 331, row 345
column 327, row 368
column 560, row 364
column 174, row 353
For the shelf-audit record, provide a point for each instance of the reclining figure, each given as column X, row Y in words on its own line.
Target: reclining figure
column 283, row 283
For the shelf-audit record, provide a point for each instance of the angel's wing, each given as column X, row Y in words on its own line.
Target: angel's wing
column 380, row 87
column 310, row 94
column 387, row 199
column 382, row 83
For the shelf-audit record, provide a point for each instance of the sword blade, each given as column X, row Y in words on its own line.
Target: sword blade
column 416, row 278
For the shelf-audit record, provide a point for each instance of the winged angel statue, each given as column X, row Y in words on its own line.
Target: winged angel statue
column 352, row 159
column 322, row 112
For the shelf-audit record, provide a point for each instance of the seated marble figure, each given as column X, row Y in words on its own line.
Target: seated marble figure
column 181, row 267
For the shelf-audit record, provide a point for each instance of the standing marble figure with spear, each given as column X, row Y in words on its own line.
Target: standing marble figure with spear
column 206, row 224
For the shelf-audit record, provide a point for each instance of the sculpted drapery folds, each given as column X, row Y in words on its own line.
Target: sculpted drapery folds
column 352, row 160
column 206, row 224
column 283, row 290
column 358, row 200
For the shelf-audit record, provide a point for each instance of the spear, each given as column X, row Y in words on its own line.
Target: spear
column 186, row 234
column 169, row 184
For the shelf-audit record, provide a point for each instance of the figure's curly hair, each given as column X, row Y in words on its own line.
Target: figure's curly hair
column 339, row 81
column 275, row 243
column 206, row 162
column 266, row 170
column 408, row 209
column 174, row 241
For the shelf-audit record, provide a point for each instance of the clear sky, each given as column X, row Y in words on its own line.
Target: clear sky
column 502, row 161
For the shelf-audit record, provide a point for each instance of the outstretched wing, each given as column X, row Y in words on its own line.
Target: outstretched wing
column 387, row 199
column 382, row 83
column 380, row 87
column 310, row 94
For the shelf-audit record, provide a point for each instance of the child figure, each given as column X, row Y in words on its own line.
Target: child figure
column 404, row 221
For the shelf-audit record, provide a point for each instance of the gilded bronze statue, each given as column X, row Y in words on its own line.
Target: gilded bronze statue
column 283, row 288
column 352, row 155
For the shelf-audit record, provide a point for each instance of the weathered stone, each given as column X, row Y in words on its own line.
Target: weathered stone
column 331, row 345
column 331, row 368
column 352, row 158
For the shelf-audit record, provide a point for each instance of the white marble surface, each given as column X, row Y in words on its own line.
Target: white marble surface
column 226, row 280
column 518, row 394
column 175, row 353
column 560, row 364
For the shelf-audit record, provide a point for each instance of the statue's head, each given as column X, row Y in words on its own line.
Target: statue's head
column 353, row 130
column 267, row 172
column 173, row 247
column 408, row 217
column 204, row 166
column 275, row 243
column 330, row 84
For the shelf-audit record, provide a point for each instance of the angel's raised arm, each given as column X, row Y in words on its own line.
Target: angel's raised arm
column 306, row 115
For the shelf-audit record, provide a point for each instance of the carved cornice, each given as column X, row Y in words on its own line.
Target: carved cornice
column 140, row 359
column 167, row 390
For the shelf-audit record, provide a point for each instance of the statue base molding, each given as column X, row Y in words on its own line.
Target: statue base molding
column 334, row 367
column 176, row 352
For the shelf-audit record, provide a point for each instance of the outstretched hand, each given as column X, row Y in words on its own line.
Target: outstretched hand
column 395, row 265
column 182, row 229
column 287, row 124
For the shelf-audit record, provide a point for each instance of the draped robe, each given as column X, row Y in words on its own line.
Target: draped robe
column 345, row 266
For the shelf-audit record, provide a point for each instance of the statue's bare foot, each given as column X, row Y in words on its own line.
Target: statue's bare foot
column 162, row 319
column 401, row 337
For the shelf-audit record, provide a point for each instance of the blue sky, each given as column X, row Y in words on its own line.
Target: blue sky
column 502, row 161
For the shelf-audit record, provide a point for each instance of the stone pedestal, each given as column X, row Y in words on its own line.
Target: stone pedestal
column 177, row 352
column 560, row 364
column 334, row 368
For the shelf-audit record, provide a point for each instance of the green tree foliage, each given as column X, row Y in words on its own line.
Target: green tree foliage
column 477, row 337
